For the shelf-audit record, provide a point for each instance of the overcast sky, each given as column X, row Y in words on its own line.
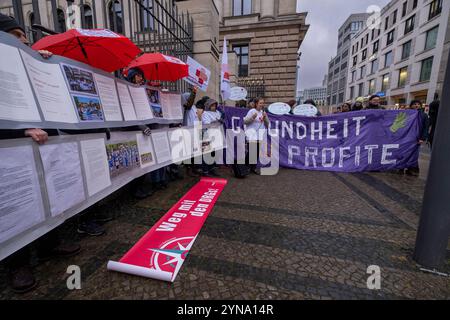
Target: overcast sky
column 325, row 18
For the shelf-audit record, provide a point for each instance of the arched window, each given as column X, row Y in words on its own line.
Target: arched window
column 61, row 20
column 88, row 22
column 115, row 16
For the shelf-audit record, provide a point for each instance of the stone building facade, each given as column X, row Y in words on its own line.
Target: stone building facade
column 265, row 35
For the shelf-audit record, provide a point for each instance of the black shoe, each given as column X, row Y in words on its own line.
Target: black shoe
column 140, row 194
column 207, row 174
column 214, row 173
column 90, row 228
column 22, row 280
column 102, row 218
column 61, row 251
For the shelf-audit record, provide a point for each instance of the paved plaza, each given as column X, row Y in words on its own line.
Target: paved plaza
column 297, row 235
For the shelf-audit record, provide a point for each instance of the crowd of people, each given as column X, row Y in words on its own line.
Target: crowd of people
column 55, row 243
column 204, row 110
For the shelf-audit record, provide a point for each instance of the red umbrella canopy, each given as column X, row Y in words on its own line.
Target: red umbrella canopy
column 158, row 66
column 99, row 48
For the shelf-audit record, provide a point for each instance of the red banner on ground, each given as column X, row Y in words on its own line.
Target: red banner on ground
column 161, row 252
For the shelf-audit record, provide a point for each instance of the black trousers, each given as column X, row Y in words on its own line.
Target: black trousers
column 252, row 146
column 44, row 245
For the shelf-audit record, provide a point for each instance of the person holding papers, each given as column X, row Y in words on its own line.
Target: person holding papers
column 10, row 25
column 257, row 122
column 211, row 115
column 20, row 273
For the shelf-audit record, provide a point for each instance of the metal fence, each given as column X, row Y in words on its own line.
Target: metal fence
column 154, row 25
column 255, row 86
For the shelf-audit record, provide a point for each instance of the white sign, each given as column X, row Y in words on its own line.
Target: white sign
column 104, row 33
column 21, row 204
column 198, row 75
column 51, row 91
column 279, row 108
column 238, row 93
column 307, row 110
column 63, row 177
column 17, row 100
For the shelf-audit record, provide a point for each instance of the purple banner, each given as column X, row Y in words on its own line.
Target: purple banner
column 369, row 140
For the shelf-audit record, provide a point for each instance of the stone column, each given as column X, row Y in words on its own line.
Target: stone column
column 206, row 39
column 267, row 9
column 287, row 7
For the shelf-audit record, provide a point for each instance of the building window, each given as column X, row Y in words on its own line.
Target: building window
column 361, row 89
column 390, row 38
column 242, row 55
column 242, row 7
column 386, row 23
column 374, row 67
column 406, row 50
column 355, row 60
column 394, row 19
column 362, row 73
column 88, row 22
column 409, row 25
column 388, row 59
column 414, row 4
column 385, row 82
column 61, row 21
column 405, row 8
column 425, row 71
column 431, row 39
column 353, row 76
column 115, row 16
column 372, row 85
column 376, row 46
column 352, row 92
column 364, row 55
column 402, row 77
column 435, row 9
column 147, row 22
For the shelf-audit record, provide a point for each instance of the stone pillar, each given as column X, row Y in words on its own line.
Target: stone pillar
column 206, row 39
column 227, row 8
column 267, row 9
column 287, row 7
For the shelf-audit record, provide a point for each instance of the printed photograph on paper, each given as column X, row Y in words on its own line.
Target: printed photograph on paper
column 155, row 102
column 80, row 80
column 89, row 108
column 123, row 157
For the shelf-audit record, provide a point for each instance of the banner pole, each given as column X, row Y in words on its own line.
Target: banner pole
column 434, row 227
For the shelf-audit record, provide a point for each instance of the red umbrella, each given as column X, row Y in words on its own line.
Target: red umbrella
column 158, row 66
column 99, row 48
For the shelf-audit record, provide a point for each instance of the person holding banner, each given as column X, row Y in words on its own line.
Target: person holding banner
column 21, row 277
column 424, row 131
column 359, row 104
column 257, row 122
column 140, row 187
column 211, row 115
column 374, row 102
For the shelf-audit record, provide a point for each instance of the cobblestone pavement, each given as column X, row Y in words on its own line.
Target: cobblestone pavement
column 297, row 235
